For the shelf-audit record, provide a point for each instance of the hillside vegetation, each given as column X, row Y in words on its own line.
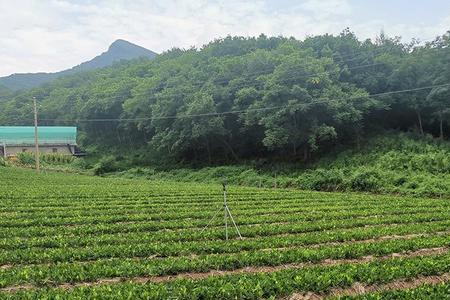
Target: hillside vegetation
column 387, row 163
column 239, row 99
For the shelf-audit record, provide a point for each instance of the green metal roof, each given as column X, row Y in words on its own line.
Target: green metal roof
column 21, row 135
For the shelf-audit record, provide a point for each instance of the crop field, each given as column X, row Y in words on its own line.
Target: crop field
column 79, row 237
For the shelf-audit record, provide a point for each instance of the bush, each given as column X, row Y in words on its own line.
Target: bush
column 323, row 180
column 105, row 165
column 2, row 162
column 366, row 181
column 79, row 163
column 26, row 158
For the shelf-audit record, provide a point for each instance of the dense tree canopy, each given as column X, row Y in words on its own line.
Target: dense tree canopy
column 241, row 98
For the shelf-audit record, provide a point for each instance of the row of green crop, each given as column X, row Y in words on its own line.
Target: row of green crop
column 189, row 211
column 197, row 218
column 169, row 190
column 146, row 240
column 197, row 211
column 217, row 233
column 120, row 204
column 81, row 272
column 95, row 199
column 162, row 212
column 49, row 189
column 184, row 219
column 255, row 286
column 426, row 291
column 241, row 207
column 104, row 206
column 145, row 248
column 64, row 241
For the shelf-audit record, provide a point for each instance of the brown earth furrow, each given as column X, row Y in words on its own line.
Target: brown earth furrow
column 247, row 270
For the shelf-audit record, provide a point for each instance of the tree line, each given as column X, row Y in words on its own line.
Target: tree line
column 243, row 98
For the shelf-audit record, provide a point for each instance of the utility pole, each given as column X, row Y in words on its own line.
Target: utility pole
column 36, row 142
column 5, row 155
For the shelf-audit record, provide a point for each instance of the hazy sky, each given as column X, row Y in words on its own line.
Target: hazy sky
column 52, row 35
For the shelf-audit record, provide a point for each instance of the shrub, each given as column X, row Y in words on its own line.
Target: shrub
column 323, row 180
column 365, row 181
column 79, row 163
column 105, row 165
column 2, row 162
column 400, row 180
column 26, row 158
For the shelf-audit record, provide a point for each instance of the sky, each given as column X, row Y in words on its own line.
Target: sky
column 53, row 35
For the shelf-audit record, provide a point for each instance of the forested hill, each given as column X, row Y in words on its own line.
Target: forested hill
column 119, row 50
column 246, row 98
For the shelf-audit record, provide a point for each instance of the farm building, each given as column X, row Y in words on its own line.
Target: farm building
column 52, row 139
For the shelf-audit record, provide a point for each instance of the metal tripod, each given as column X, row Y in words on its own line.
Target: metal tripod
column 227, row 214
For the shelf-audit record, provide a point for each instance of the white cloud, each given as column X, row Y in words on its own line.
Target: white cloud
column 325, row 9
column 52, row 35
column 421, row 31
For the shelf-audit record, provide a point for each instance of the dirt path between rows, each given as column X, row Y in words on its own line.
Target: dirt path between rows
column 247, row 270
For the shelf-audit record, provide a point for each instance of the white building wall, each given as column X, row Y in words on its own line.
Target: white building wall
column 59, row 149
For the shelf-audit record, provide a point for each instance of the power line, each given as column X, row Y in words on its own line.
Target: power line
column 249, row 85
column 317, row 101
column 244, row 84
column 256, row 74
column 270, row 70
column 252, row 84
column 36, row 143
column 199, row 83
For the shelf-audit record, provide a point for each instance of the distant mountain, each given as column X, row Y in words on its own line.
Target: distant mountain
column 4, row 93
column 119, row 50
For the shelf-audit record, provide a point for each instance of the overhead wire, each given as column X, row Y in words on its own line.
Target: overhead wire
column 317, row 101
column 241, row 85
column 257, row 74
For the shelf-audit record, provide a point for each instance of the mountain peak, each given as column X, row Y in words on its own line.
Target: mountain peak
column 117, row 51
column 123, row 47
column 122, row 43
